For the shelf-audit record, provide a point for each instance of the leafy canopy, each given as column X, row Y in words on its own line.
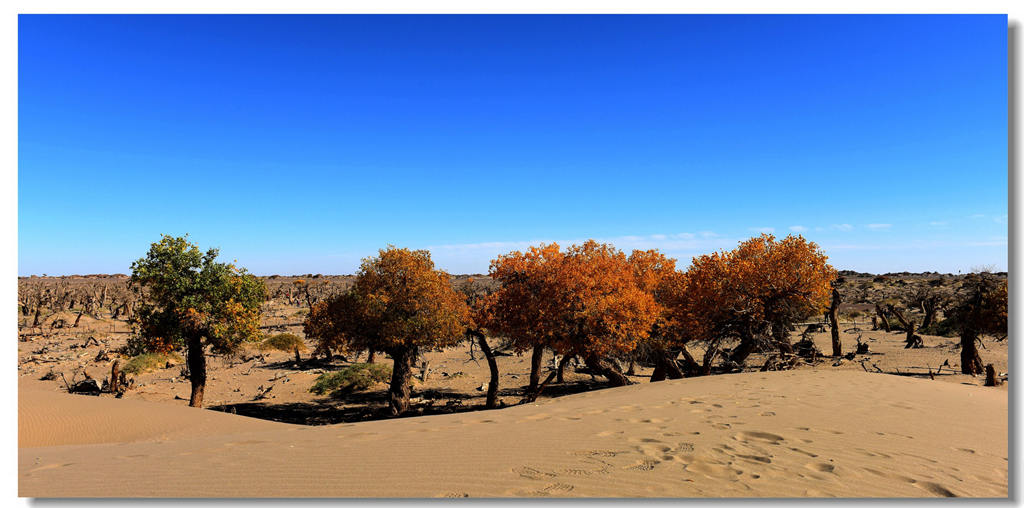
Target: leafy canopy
column 588, row 300
column 189, row 295
column 398, row 302
column 762, row 286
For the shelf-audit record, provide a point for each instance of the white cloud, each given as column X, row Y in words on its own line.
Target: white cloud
column 843, row 227
column 768, row 230
column 879, row 227
column 797, row 229
column 976, row 216
column 1000, row 219
column 938, row 223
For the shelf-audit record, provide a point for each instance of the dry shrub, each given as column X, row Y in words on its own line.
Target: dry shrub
column 356, row 377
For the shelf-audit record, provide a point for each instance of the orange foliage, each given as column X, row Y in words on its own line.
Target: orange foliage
column 761, row 287
column 399, row 301
column 524, row 307
column 586, row 301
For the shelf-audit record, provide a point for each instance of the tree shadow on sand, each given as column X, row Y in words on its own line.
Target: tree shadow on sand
column 372, row 405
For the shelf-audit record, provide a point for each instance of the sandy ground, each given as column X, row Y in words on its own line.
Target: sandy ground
column 453, row 380
column 796, row 433
column 828, row 428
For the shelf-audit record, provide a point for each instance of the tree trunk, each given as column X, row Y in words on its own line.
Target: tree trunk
column 743, row 350
column 605, row 368
column 115, row 372
column 929, row 314
column 781, row 335
column 532, row 396
column 970, row 360
column 196, row 370
column 689, row 363
column 370, row 357
column 709, row 358
column 665, row 366
column 990, row 376
column 298, row 358
column 881, row 316
column 401, row 380
column 77, row 319
column 899, row 317
column 35, row 320
column 492, row 385
column 536, row 362
column 659, row 372
column 913, row 340
column 560, row 376
column 833, row 313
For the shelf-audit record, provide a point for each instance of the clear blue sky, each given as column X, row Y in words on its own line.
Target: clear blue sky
column 300, row 144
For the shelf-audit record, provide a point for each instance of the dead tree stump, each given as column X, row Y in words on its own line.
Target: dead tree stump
column 833, row 313
column 990, row 376
column 115, row 376
column 914, row 341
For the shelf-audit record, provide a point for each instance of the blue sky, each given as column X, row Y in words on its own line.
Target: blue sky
column 300, row 144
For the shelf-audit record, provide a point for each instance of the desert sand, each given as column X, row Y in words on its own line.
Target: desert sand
column 806, row 432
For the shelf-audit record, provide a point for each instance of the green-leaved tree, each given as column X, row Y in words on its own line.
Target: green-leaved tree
column 193, row 301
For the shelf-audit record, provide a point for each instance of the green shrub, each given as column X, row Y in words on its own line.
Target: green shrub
column 150, row 361
column 287, row 342
column 356, row 377
column 945, row 328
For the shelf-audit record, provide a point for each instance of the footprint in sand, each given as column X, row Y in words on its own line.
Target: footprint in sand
column 754, row 435
column 807, row 453
column 553, row 489
column 596, row 453
column 684, row 448
column 532, row 474
column 711, row 470
column 647, row 464
column 821, row 467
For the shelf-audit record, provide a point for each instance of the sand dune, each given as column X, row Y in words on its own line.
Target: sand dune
column 798, row 433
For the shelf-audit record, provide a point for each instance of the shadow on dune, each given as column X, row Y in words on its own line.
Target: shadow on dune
column 372, row 405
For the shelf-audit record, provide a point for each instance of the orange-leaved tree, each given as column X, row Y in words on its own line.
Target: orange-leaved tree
column 602, row 310
column 752, row 294
column 585, row 302
column 401, row 305
column 523, row 308
column 779, row 283
column 477, row 299
column 705, row 307
column 656, row 274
